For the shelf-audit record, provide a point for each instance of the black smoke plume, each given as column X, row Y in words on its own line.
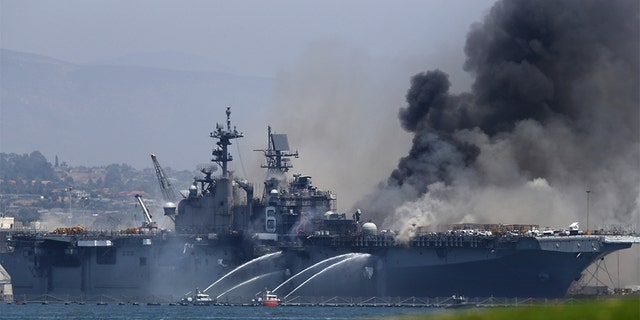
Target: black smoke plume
column 553, row 111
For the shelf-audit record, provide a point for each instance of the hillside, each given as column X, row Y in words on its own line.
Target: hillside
column 102, row 114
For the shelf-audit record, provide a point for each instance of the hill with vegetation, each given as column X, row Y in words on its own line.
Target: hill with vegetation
column 31, row 187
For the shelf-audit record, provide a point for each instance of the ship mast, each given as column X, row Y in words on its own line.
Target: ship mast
column 277, row 153
column 221, row 156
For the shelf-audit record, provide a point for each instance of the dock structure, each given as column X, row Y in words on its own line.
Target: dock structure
column 6, row 290
column 452, row 302
column 419, row 302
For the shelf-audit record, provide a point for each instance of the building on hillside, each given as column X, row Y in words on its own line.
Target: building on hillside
column 6, row 223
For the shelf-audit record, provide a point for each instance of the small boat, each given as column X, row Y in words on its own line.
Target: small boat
column 268, row 299
column 459, row 302
column 202, row 299
column 199, row 299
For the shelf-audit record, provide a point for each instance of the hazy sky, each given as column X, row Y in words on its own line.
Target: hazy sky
column 340, row 71
column 369, row 49
column 254, row 37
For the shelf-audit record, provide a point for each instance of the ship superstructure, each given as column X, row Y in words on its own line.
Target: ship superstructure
column 290, row 206
column 221, row 226
column 216, row 205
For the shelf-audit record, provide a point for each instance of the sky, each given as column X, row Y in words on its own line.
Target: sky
column 253, row 37
column 334, row 63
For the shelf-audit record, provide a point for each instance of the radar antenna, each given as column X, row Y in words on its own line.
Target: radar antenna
column 277, row 153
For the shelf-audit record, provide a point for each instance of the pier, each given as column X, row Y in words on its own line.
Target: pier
column 6, row 290
column 307, row 301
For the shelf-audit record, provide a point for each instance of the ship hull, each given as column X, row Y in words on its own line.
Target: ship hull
column 521, row 267
column 163, row 267
column 517, row 275
column 136, row 268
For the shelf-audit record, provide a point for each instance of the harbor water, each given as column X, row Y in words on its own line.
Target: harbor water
column 157, row 312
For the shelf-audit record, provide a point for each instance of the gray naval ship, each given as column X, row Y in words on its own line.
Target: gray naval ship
column 291, row 239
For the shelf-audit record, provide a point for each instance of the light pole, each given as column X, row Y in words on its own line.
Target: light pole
column 69, row 189
column 82, row 211
column 588, row 192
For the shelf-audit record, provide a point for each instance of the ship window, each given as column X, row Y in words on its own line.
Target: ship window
column 127, row 253
column 143, row 261
column 106, row 255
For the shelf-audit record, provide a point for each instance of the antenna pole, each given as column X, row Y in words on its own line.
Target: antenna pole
column 588, row 192
column 221, row 155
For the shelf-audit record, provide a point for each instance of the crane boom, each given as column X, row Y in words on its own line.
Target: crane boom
column 147, row 215
column 165, row 186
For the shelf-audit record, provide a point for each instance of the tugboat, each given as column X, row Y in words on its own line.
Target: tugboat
column 199, row 299
column 267, row 298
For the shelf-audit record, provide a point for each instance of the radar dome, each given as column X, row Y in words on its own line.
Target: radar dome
column 193, row 191
column 273, row 192
column 169, row 208
column 369, row 229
